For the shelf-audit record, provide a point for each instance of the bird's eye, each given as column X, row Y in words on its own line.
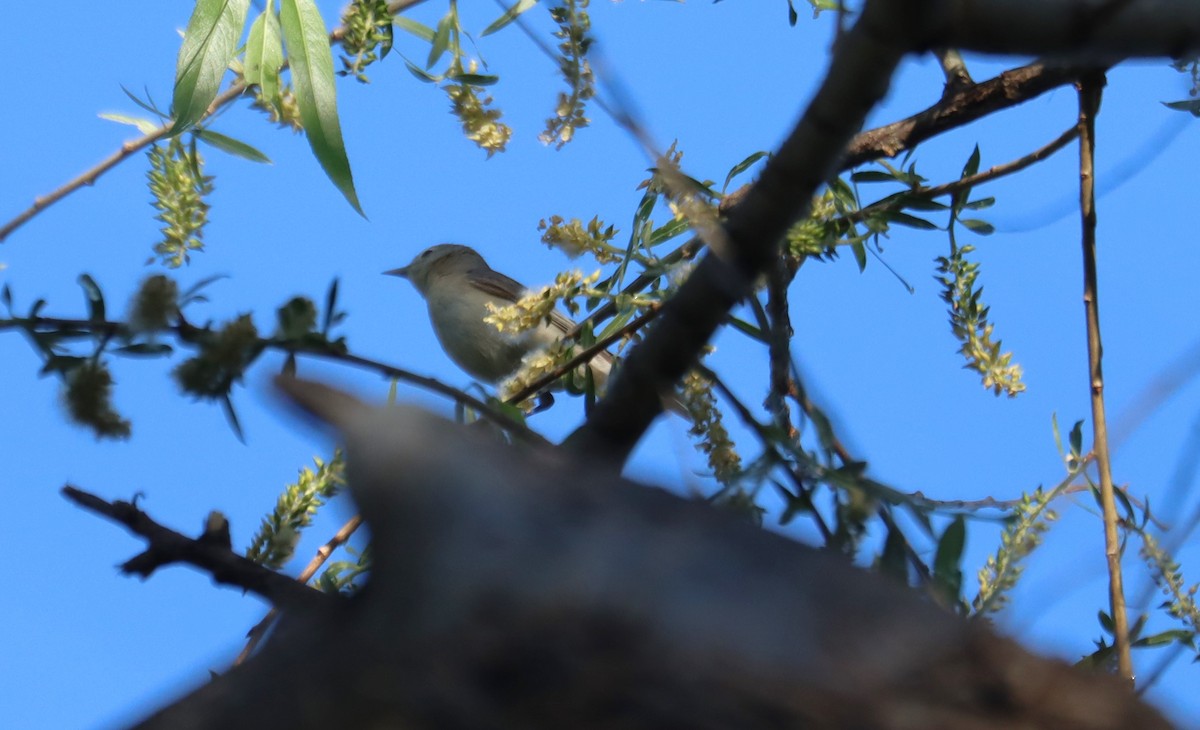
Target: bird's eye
column 426, row 252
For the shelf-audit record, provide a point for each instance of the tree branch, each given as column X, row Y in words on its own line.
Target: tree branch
column 1089, row 106
column 1007, row 90
column 515, row 588
column 210, row 552
column 858, row 77
column 1098, row 33
column 257, row 632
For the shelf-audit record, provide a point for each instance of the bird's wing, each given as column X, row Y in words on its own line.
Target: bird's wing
column 496, row 284
column 502, row 287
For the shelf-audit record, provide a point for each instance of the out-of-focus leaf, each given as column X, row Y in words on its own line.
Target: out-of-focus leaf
column 869, row 176
column 441, row 40
column 235, row 147
column 1192, row 106
column 860, row 254
column 420, row 30
column 146, row 349
column 904, row 219
column 975, row 225
column 509, row 16
column 742, row 166
column 145, row 126
column 421, row 73
column 313, row 78
column 209, row 44
column 95, row 297
column 474, row 79
column 667, row 232
column 148, row 105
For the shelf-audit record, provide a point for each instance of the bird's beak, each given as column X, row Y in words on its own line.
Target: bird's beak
column 402, row 272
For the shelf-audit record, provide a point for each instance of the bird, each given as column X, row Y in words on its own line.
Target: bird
column 457, row 285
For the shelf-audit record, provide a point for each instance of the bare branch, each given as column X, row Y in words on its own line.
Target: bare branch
column 210, row 552
column 1094, row 32
column 1009, row 89
column 1089, row 106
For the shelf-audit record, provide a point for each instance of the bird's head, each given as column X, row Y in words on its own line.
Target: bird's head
column 439, row 260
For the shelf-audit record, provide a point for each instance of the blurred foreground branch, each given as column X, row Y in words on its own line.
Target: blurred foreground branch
column 514, row 587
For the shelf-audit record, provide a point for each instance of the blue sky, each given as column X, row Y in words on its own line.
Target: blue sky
column 86, row 647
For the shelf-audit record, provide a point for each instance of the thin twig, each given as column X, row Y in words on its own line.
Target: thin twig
column 584, row 355
column 189, row 333
column 256, row 634
column 391, row 371
column 779, row 342
column 1089, row 106
column 768, row 444
column 979, row 178
column 954, row 69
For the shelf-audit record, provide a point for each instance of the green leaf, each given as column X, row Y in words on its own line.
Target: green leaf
column 969, row 169
column 1191, row 106
column 916, row 202
column 860, row 255
column 209, row 44
column 264, row 54
column 312, row 75
column 981, row 203
column 1076, row 438
column 231, row 414
column 420, row 30
column 869, row 176
column 232, row 146
column 667, row 231
column 894, row 559
column 441, row 39
column 147, row 105
column 331, row 316
column 972, row 166
column 146, row 349
column 474, row 79
column 946, row 572
column 911, row 221
column 145, row 126
column 61, row 364
column 1183, row 636
column 94, row 296
column 509, row 16
column 746, row 328
column 975, row 225
column 742, row 166
column 421, row 73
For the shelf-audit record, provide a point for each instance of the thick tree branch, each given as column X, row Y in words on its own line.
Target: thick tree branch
column 1099, row 33
column 514, row 588
column 1009, row 89
column 210, row 552
column 858, row 77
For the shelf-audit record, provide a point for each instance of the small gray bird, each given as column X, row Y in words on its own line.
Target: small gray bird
column 457, row 284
